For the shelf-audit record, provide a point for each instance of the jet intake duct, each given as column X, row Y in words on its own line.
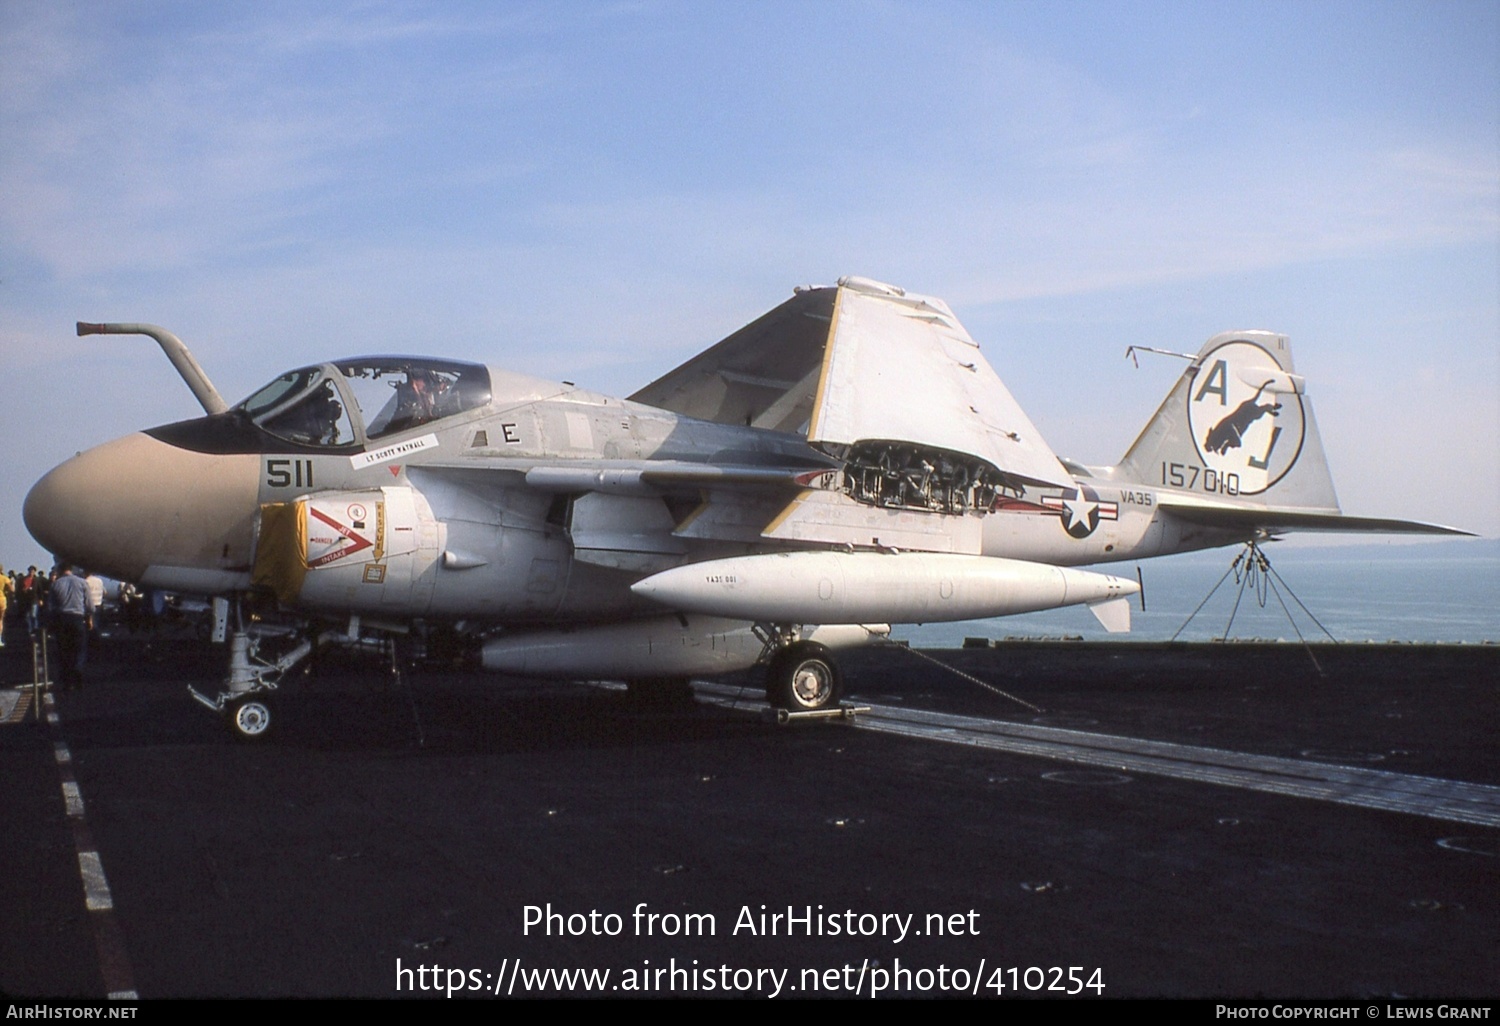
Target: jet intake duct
column 280, row 557
column 372, row 551
column 856, row 587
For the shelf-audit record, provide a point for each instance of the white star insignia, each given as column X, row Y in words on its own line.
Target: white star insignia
column 1079, row 510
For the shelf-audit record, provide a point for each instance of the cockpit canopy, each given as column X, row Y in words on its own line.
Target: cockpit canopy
column 350, row 402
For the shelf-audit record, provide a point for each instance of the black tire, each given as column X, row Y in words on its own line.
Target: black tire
column 804, row 678
column 249, row 717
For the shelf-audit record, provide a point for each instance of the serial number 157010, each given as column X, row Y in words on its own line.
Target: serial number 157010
column 1196, row 478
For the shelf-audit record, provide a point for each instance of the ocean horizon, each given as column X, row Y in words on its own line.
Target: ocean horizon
column 1430, row 591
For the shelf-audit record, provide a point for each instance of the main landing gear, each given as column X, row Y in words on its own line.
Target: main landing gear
column 802, row 677
column 803, row 680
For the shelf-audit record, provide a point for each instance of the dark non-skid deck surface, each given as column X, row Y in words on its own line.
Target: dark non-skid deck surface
column 309, row 865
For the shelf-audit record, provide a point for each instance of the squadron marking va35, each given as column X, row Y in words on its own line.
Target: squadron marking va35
column 847, row 461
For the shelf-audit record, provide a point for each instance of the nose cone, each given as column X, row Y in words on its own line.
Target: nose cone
column 137, row 503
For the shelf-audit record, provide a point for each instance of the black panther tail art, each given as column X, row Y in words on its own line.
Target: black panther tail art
column 1230, row 432
column 1212, row 435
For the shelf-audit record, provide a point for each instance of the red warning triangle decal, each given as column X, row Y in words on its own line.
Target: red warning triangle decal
column 357, row 543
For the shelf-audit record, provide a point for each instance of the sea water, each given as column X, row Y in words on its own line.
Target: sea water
column 1424, row 591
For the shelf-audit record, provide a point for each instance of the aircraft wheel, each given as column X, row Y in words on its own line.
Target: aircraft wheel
column 804, row 678
column 250, row 717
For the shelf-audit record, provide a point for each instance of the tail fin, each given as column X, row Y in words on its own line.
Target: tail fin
column 1237, row 424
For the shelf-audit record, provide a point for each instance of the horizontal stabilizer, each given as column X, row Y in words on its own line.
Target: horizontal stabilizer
column 1271, row 380
column 1269, row 518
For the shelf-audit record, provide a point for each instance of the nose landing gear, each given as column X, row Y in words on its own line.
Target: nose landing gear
column 250, row 716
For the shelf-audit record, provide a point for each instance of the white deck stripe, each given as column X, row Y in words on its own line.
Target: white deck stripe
column 72, row 798
column 1433, row 797
column 95, row 887
column 114, row 963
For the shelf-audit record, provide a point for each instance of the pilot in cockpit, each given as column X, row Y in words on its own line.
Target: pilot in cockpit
column 422, row 397
column 324, row 412
column 313, row 420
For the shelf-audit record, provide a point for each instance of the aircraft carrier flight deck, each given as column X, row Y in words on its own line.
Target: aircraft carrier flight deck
column 1113, row 820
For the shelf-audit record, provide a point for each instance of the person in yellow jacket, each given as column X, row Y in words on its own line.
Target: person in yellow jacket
column 5, row 590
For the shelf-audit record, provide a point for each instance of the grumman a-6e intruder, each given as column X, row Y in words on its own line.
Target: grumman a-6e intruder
column 847, row 461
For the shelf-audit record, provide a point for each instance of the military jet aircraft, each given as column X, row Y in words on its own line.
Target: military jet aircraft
column 847, row 461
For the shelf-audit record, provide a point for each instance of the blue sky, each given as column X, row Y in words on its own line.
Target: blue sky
column 596, row 191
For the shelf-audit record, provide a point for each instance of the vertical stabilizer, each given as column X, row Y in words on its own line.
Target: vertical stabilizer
column 1237, row 424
